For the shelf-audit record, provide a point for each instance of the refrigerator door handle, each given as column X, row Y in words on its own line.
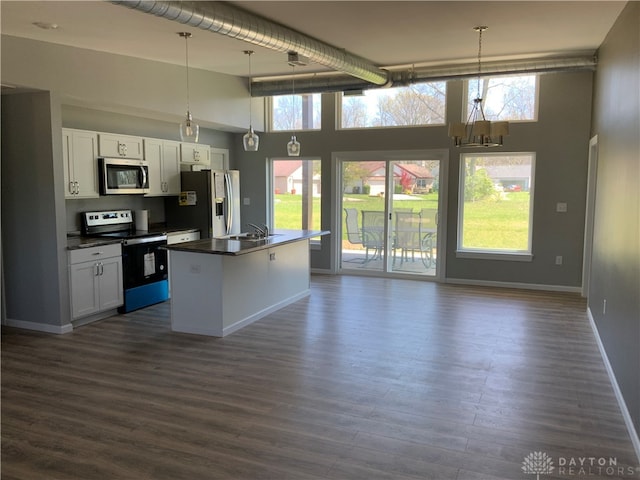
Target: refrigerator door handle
column 229, row 202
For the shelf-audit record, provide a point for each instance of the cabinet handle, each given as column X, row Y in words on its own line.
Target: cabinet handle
column 196, row 155
column 97, row 253
column 77, row 192
column 72, row 187
column 101, row 268
column 95, row 270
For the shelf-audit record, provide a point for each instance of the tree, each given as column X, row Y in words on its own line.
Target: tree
column 354, row 112
column 477, row 185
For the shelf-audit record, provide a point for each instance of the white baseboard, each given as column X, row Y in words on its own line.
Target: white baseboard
column 40, row 327
column 524, row 286
column 635, row 440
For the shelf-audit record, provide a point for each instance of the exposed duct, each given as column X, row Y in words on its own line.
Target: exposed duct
column 225, row 19
column 318, row 83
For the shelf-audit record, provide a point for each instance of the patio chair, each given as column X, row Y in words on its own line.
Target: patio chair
column 354, row 235
column 407, row 235
column 428, row 235
column 373, row 232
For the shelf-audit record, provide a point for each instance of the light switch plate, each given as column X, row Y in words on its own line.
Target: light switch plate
column 561, row 207
column 246, row 201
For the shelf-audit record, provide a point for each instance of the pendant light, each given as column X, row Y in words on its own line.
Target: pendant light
column 293, row 147
column 250, row 140
column 189, row 130
column 478, row 131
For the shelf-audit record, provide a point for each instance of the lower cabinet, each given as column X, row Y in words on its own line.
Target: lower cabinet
column 95, row 280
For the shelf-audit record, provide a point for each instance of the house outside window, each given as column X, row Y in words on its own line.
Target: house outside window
column 496, row 205
column 296, row 194
column 295, row 112
column 416, row 105
column 510, row 98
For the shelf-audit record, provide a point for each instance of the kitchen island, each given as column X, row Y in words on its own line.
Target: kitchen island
column 219, row 285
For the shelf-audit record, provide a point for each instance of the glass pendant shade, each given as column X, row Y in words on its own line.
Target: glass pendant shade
column 189, row 130
column 293, row 147
column 250, row 141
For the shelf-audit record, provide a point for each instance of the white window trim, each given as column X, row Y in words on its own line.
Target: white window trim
column 492, row 254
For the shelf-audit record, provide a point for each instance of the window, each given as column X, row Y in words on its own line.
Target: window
column 495, row 207
column 296, row 112
column 296, row 194
column 417, row 104
column 506, row 98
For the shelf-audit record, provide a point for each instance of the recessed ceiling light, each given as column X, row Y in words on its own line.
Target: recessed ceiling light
column 46, row 25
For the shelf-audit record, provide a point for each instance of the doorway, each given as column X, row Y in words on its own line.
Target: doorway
column 390, row 210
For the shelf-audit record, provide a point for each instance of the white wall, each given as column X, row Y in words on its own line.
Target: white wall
column 128, row 85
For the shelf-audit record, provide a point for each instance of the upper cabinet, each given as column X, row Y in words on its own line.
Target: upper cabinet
column 163, row 157
column 194, row 154
column 219, row 158
column 116, row 146
column 79, row 151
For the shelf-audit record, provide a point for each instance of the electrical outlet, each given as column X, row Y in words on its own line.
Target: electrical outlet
column 246, row 201
column 561, row 207
column 558, row 259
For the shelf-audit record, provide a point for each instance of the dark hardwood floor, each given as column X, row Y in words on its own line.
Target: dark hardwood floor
column 368, row 378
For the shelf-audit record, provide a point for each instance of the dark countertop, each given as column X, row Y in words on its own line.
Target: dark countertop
column 76, row 241
column 221, row 246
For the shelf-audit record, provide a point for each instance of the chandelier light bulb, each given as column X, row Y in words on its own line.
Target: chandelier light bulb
column 293, row 147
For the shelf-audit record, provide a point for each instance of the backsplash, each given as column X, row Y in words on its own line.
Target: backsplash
column 155, row 205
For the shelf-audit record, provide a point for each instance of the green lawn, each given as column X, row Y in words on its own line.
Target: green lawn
column 491, row 223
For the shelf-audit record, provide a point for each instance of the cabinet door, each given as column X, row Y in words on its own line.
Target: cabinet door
column 67, row 158
column 124, row 146
column 194, row 153
column 171, row 167
column 153, row 155
column 110, row 278
column 85, row 296
column 85, row 163
column 219, row 158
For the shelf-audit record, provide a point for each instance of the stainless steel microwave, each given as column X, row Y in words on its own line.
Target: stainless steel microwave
column 123, row 176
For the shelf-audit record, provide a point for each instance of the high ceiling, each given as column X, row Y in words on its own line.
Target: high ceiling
column 387, row 33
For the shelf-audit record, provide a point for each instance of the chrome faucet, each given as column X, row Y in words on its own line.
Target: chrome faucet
column 261, row 231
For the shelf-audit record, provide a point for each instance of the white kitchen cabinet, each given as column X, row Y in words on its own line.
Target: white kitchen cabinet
column 194, row 154
column 120, row 146
column 219, row 158
column 79, row 153
column 95, row 280
column 163, row 157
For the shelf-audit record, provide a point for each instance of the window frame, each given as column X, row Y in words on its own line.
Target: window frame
column 486, row 253
column 340, row 96
column 465, row 98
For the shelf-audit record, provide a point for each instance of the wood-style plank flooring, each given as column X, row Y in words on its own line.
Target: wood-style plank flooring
column 368, row 378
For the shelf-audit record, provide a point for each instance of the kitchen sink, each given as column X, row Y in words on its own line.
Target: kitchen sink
column 250, row 236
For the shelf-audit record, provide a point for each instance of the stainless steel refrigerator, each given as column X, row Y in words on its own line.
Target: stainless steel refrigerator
column 209, row 201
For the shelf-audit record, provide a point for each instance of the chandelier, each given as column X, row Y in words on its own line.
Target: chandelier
column 478, row 131
column 189, row 129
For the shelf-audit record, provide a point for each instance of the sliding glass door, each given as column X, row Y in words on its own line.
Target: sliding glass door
column 391, row 212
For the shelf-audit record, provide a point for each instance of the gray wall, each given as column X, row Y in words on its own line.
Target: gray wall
column 615, row 273
column 33, row 242
column 560, row 139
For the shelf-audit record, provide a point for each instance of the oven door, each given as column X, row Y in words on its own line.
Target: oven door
column 143, row 261
column 122, row 176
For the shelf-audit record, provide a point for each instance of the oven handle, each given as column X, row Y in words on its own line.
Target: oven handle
column 138, row 241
